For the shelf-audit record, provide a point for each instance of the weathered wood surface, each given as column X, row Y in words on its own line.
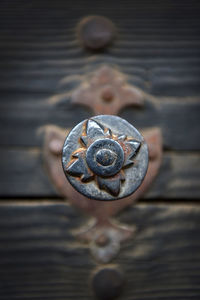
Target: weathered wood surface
column 40, row 57
column 41, row 259
column 21, row 118
column 157, row 47
column 24, row 176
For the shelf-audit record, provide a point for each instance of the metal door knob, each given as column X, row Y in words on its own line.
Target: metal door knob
column 105, row 158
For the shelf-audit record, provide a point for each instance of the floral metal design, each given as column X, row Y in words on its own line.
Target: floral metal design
column 102, row 157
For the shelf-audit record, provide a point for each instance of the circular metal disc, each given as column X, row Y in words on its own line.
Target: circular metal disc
column 105, row 158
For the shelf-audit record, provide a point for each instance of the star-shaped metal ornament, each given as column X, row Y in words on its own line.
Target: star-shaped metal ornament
column 96, row 158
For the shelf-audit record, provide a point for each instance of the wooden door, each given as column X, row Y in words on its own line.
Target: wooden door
column 157, row 47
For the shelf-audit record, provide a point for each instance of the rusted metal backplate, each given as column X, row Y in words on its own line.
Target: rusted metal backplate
column 102, row 229
column 106, row 91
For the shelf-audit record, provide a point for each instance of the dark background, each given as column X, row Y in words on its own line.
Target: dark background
column 158, row 47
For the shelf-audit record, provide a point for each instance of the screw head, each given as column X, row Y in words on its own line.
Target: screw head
column 96, row 32
column 105, row 158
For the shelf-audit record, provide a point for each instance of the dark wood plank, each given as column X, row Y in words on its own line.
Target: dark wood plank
column 41, row 259
column 178, row 120
column 152, row 35
column 21, row 118
column 157, row 47
column 146, row 8
column 29, row 178
column 23, row 175
column 42, row 73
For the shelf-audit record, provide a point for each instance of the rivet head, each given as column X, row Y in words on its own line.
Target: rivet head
column 102, row 240
column 105, row 158
column 96, row 32
column 108, row 284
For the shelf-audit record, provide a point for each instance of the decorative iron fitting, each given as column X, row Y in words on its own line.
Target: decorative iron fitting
column 105, row 158
column 106, row 91
column 108, row 168
column 102, row 235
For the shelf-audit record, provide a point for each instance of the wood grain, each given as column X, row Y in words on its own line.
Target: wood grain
column 23, row 175
column 21, row 118
column 157, row 47
column 41, row 259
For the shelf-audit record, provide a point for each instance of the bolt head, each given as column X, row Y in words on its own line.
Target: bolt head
column 96, row 32
column 108, row 284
